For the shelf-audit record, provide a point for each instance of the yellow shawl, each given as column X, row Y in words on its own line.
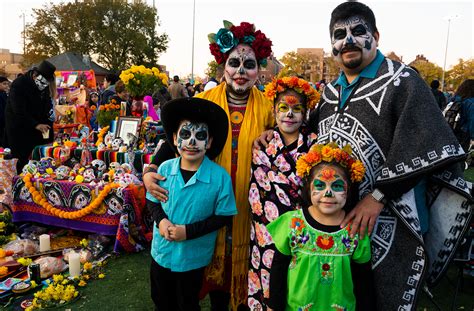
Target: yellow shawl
column 258, row 117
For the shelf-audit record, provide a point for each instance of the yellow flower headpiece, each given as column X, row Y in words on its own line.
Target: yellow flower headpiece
column 301, row 86
column 330, row 153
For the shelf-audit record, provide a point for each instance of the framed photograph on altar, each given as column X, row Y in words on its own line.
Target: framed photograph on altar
column 127, row 125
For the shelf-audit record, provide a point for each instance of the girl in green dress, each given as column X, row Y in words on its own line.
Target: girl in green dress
column 311, row 268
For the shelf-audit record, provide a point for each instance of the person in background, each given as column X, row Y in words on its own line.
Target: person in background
column 4, row 87
column 29, row 113
column 198, row 88
column 190, row 89
column 465, row 94
column 93, row 105
column 121, row 95
column 439, row 96
column 109, row 88
column 210, row 84
column 176, row 89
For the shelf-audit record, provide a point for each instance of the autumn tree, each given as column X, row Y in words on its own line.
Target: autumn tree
column 428, row 71
column 119, row 34
column 296, row 64
column 211, row 70
column 463, row 70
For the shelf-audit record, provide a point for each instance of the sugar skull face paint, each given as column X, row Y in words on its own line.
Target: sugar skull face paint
column 353, row 42
column 41, row 82
column 289, row 112
column 329, row 190
column 241, row 69
column 192, row 139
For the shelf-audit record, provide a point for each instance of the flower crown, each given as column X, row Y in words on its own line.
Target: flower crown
column 330, row 153
column 230, row 36
column 278, row 86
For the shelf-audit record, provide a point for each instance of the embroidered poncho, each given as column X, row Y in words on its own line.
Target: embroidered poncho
column 396, row 129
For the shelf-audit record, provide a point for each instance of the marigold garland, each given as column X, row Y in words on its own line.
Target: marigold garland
column 301, row 86
column 100, row 136
column 330, row 153
column 39, row 199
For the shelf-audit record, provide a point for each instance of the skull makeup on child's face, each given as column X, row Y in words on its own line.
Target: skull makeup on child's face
column 289, row 112
column 192, row 139
column 329, row 189
column 241, row 69
column 41, row 82
column 353, row 42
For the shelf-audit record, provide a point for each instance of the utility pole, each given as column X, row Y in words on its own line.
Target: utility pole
column 449, row 18
column 192, row 53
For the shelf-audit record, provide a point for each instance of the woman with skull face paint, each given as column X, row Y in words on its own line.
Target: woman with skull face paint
column 240, row 49
column 29, row 111
column 312, row 263
column 274, row 187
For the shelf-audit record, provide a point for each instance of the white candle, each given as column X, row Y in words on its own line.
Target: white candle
column 74, row 264
column 44, row 243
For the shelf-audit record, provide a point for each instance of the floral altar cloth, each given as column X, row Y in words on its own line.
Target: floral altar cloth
column 120, row 214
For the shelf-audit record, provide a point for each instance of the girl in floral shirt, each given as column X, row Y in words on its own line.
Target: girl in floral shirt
column 311, row 267
column 274, row 187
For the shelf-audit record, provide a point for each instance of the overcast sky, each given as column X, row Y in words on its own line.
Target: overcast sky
column 406, row 27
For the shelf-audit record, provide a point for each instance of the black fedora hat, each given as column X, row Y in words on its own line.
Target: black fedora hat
column 197, row 110
column 47, row 70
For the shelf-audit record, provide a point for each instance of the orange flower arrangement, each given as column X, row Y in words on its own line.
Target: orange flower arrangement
column 100, row 136
column 330, row 153
column 301, row 86
column 39, row 199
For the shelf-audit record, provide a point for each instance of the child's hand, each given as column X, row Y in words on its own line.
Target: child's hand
column 177, row 233
column 164, row 226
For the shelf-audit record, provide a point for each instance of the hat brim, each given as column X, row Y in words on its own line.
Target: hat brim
column 199, row 110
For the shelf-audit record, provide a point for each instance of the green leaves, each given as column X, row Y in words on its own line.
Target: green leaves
column 211, row 37
column 227, row 24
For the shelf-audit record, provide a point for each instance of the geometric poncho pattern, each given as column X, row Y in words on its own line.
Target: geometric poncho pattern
column 396, row 129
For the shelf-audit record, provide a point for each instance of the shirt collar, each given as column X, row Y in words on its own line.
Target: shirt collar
column 368, row 72
column 203, row 173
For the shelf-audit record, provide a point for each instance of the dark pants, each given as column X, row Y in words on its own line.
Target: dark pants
column 172, row 291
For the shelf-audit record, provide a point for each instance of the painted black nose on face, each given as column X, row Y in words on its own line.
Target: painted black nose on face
column 328, row 194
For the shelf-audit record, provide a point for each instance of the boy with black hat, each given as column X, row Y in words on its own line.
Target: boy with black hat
column 200, row 201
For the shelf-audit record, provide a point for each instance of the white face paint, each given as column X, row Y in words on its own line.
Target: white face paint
column 353, row 43
column 329, row 190
column 192, row 140
column 41, row 82
column 289, row 112
column 241, row 69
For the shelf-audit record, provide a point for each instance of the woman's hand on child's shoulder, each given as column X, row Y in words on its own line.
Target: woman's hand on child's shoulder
column 177, row 232
column 150, row 179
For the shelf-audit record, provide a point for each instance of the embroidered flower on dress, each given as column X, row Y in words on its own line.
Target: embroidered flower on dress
column 325, row 242
column 297, row 224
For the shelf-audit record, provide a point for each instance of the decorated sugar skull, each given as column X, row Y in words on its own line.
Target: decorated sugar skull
column 114, row 165
column 45, row 163
column 88, row 174
column 80, row 197
column 31, row 167
column 114, row 202
column 62, row 172
column 108, row 139
column 106, row 177
column 126, row 167
column 99, row 167
column 127, row 179
column 116, row 143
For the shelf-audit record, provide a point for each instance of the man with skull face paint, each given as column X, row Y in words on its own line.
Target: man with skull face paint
column 29, row 111
column 376, row 105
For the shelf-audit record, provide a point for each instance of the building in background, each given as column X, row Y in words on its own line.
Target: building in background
column 10, row 63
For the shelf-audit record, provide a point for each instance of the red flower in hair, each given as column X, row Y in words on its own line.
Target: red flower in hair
column 218, row 55
column 247, row 28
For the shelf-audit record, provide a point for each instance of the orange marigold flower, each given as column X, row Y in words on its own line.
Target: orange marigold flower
column 297, row 224
column 326, row 154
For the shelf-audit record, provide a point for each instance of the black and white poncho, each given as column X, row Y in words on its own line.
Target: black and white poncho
column 395, row 127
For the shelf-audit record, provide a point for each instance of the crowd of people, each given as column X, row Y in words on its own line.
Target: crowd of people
column 298, row 197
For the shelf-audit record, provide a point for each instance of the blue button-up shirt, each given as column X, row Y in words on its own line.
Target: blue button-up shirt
column 368, row 72
column 209, row 192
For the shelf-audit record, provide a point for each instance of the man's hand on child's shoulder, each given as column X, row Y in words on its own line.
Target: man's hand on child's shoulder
column 177, row 233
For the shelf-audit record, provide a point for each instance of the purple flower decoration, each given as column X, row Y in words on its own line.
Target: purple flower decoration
column 346, row 242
